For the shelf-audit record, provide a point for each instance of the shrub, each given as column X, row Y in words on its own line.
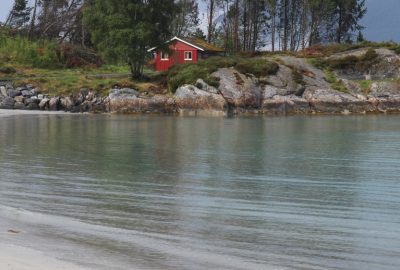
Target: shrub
column 7, row 70
column 258, row 67
column 15, row 49
column 343, row 63
column 370, row 55
column 334, row 82
column 318, row 63
column 298, row 76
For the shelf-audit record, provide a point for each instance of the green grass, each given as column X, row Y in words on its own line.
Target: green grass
column 70, row 81
column 365, row 85
column 298, row 77
column 328, row 50
column 38, row 54
column 361, row 63
column 335, row 82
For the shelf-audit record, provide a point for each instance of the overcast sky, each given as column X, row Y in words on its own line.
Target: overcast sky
column 382, row 21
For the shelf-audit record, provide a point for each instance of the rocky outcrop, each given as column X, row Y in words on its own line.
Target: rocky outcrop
column 129, row 101
column 189, row 97
column 239, row 91
column 297, row 88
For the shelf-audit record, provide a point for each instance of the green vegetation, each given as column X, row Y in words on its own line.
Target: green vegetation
column 257, row 66
column 366, row 86
column 361, row 63
column 37, row 54
column 69, row 81
column 335, row 83
column 298, row 76
column 328, row 50
column 123, row 30
column 189, row 73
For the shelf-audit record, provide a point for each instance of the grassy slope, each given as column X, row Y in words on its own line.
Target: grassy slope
column 69, row 81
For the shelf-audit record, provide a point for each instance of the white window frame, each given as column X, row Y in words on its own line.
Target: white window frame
column 164, row 56
column 191, row 56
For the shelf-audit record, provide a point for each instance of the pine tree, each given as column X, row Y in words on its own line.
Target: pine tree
column 19, row 14
column 123, row 30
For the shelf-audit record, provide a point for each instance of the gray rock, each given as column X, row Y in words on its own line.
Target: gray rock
column 13, row 93
column 54, row 104
column 202, row 85
column 285, row 105
column 133, row 104
column 3, row 91
column 26, row 93
column 189, row 97
column 238, row 90
column 7, row 103
column 44, row 104
column 125, row 93
column 332, row 101
column 19, row 106
column 19, row 99
column 66, row 103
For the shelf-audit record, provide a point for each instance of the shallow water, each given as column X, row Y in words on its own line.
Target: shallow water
column 125, row 192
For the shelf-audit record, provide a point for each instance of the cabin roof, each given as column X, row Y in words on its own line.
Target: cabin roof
column 196, row 43
column 203, row 44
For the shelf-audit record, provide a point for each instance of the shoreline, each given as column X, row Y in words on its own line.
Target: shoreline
column 6, row 112
column 14, row 257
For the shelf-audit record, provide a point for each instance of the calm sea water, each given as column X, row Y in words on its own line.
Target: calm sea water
column 125, row 192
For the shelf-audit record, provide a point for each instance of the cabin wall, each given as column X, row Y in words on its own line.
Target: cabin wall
column 177, row 56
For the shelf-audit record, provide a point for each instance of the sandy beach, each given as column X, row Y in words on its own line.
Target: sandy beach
column 4, row 113
column 19, row 258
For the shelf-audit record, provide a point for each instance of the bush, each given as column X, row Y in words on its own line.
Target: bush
column 258, row 67
column 370, row 55
column 318, row 63
column 7, row 70
column 298, row 77
column 43, row 53
column 334, row 82
column 343, row 63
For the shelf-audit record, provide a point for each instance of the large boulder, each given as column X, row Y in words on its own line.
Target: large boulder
column 189, row 97
column 128, row 101
column 123, row 94
column 54, row 104
column 3, row 91
column 7, row 103
column 240, row 91
column 332, row 101
column 44, row 104
column 285, row 105
column 66, row 103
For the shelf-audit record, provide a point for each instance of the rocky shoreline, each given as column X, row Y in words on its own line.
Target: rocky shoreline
column 297, row 88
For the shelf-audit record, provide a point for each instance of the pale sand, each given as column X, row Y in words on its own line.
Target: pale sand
column 4, row 113
column 19, row 258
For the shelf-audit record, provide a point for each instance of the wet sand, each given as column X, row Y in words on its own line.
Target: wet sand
column 20, row 258
column 4, row 113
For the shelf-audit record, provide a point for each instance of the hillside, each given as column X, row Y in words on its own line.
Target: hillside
column 334, row 79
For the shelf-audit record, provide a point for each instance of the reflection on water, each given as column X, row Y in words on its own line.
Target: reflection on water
column 117, row 192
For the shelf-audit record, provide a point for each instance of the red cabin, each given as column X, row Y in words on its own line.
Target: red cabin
column 181, row 51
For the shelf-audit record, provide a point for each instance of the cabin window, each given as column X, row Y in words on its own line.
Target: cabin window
column 188, row 56
column 164, row 56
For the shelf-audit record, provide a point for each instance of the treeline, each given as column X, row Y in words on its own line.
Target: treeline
column 236, row 25
column 125, row 29
column 286, row 25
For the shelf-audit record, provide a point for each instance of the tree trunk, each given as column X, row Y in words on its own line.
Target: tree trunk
column 211, row 21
